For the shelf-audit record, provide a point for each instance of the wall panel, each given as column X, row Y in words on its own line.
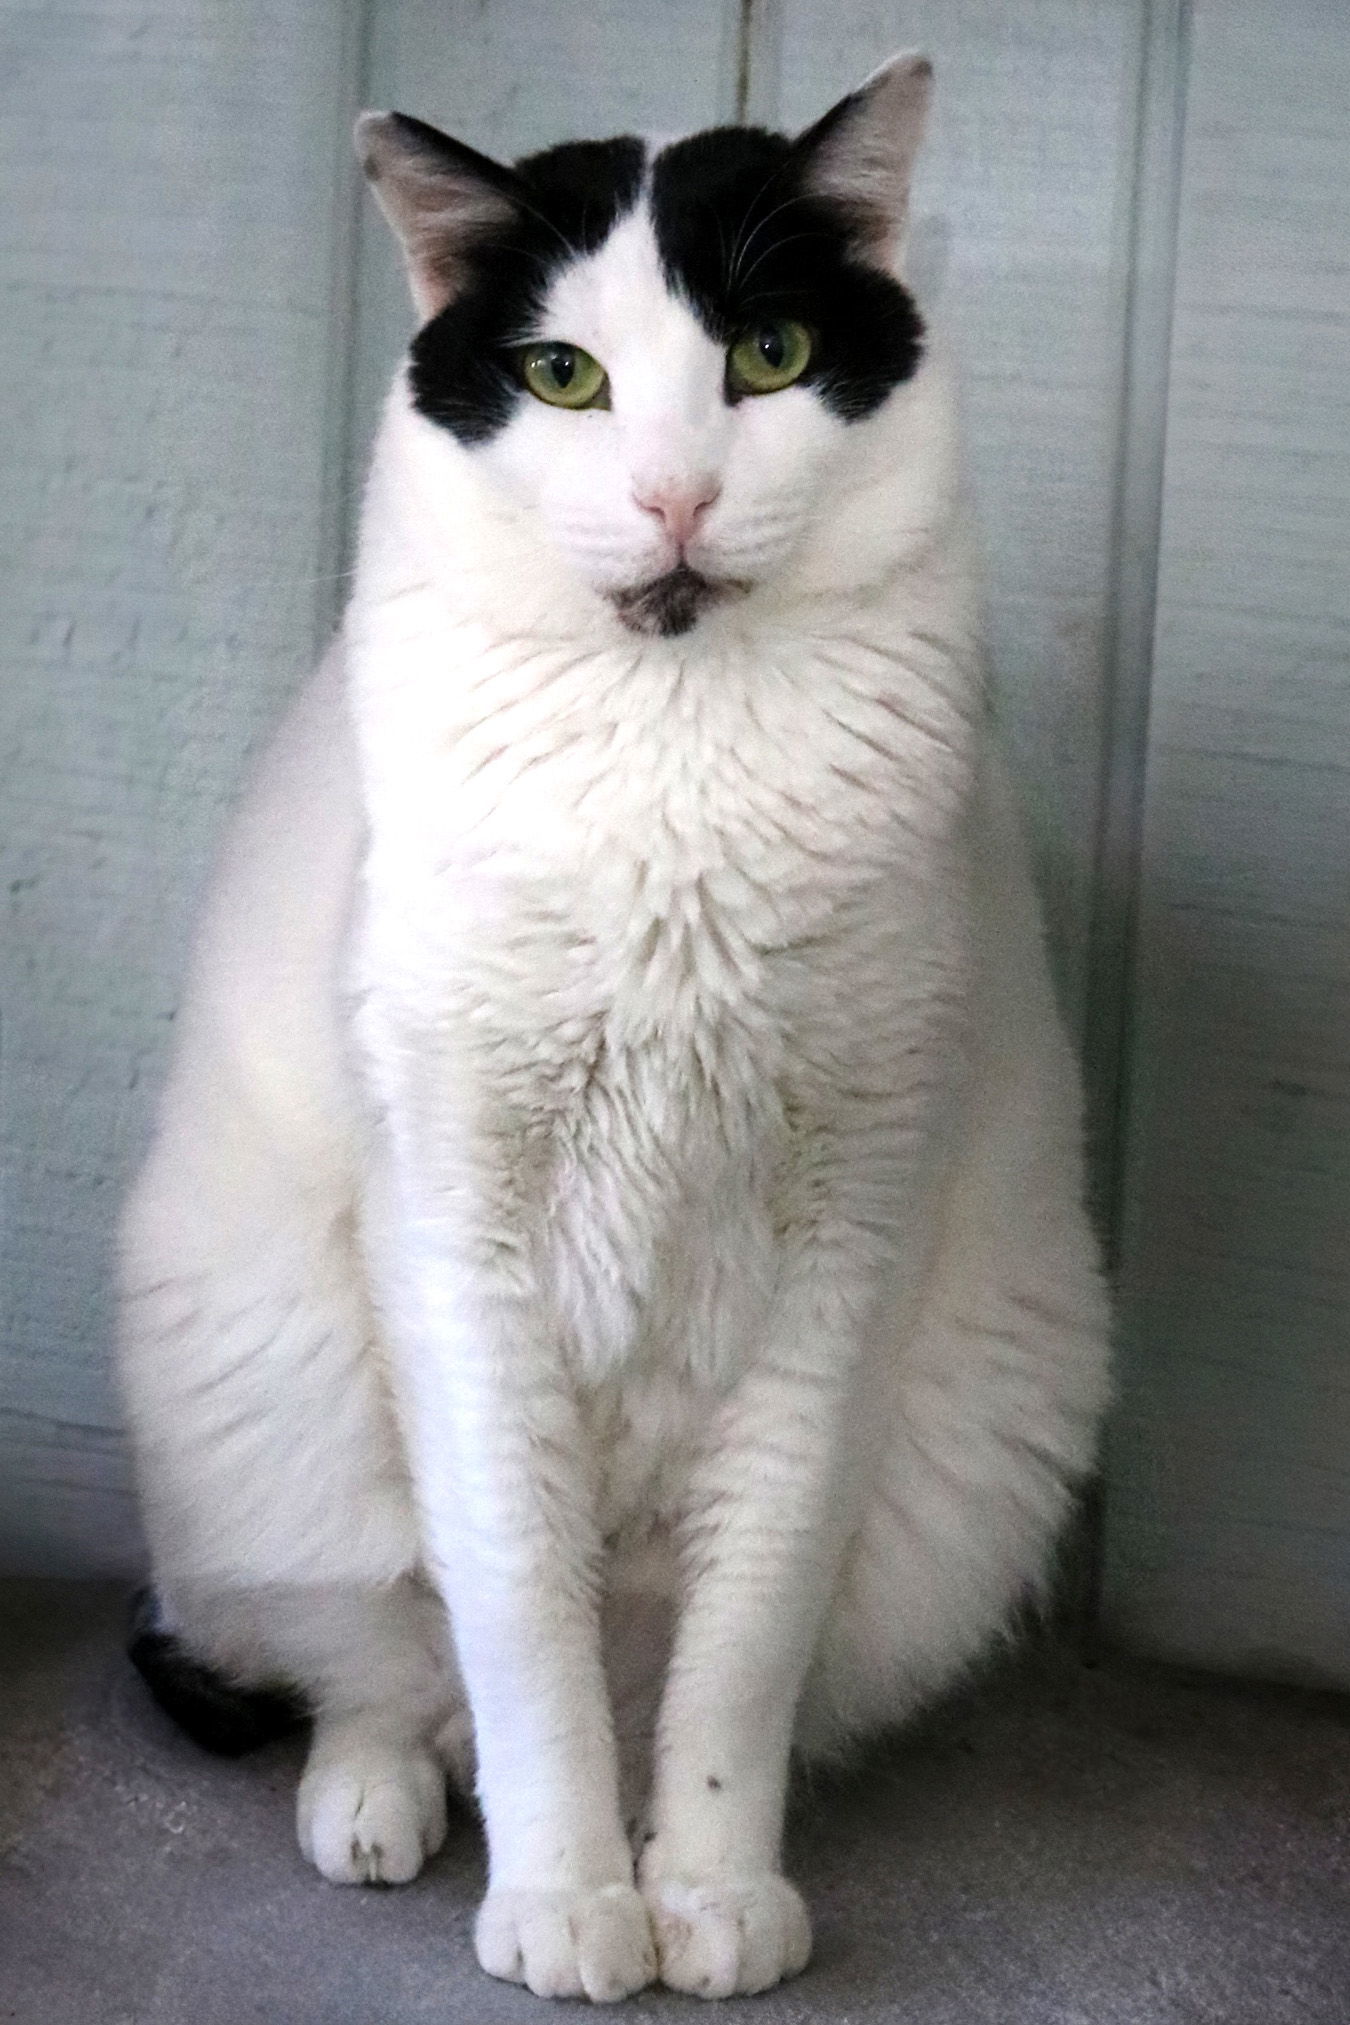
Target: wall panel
column 1229, row 1504
column 170, row 250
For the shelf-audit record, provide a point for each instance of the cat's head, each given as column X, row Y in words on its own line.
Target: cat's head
column 671, row 354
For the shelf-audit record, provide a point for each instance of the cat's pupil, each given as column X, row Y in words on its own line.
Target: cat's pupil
column 564, row 366
column 771, row 347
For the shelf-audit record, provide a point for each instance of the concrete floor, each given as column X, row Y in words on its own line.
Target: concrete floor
column 1061, row 1847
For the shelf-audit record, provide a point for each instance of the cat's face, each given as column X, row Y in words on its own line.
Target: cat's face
column 663, row 352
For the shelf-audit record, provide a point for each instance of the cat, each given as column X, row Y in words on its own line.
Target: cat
column 620, row 1141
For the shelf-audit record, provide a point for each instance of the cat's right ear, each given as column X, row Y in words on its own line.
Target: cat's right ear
column 438, row 195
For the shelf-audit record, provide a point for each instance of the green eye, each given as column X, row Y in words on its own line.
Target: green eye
column 564, row 376
column 769, row 357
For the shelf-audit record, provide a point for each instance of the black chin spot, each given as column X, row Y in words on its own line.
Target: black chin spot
column 668, row 605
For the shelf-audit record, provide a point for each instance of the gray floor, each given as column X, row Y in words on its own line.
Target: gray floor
column 1061, row 1848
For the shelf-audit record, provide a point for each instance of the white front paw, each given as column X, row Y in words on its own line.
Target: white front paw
column 594, row 1942
column 726, row 1937
column 371, row 1815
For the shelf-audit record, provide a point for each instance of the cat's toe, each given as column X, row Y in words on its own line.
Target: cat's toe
column 728, row 1937
column 372, row 1817
column 594, row 1943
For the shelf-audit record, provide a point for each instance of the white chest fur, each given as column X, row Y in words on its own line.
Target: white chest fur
column 646, row 921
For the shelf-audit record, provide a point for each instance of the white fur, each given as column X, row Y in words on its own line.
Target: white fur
column 620, row 1135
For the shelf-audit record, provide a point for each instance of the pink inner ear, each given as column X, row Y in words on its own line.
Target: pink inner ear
column 864, row 148
column 434, row 249
column 438, row 195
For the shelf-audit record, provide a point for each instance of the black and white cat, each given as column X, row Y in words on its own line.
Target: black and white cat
column 620, row 1141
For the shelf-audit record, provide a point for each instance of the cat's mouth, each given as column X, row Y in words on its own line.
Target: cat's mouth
column 670, row 605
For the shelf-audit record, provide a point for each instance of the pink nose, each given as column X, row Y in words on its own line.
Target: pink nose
column 678, row 507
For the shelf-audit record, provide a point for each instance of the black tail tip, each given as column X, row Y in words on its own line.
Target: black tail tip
column 217, row 1714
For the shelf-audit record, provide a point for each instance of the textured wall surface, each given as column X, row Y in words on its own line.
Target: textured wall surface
column 1230, row 1508
column 173, row 223
column 202, row 317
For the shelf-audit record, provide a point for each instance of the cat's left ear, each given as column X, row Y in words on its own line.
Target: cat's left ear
column 440, row 197
column 861, row 154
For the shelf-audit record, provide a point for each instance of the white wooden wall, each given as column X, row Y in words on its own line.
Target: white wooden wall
column 171, row 381
column 205, row 316
column 1229, row 1540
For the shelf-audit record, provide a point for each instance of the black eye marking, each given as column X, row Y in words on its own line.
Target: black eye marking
column 742, row 240
column 465, row 365
column 746, row 243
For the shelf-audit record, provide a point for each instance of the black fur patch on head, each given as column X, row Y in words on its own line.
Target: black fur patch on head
column 568, row 200
column 217, row 1713
column 743, row 238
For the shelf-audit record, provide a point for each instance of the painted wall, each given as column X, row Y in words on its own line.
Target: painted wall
column 1122, row 215
column 1230, row 1534
column 175, row 197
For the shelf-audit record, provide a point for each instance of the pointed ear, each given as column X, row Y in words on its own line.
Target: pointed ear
column 438, row 195
column 861, row 154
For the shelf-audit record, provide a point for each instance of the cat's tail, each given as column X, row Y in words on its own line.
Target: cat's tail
column 216, row 1712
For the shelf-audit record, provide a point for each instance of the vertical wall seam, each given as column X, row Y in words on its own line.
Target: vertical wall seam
column 745, row 29
column 1132, row 601
column 1131, row 619
column 339, row 465
column 759, row 61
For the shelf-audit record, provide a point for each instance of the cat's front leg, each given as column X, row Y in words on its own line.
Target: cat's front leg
column 505, row 1491
column 769, row 1513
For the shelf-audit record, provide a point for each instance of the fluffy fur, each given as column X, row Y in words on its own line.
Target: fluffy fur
column 620, row 1142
